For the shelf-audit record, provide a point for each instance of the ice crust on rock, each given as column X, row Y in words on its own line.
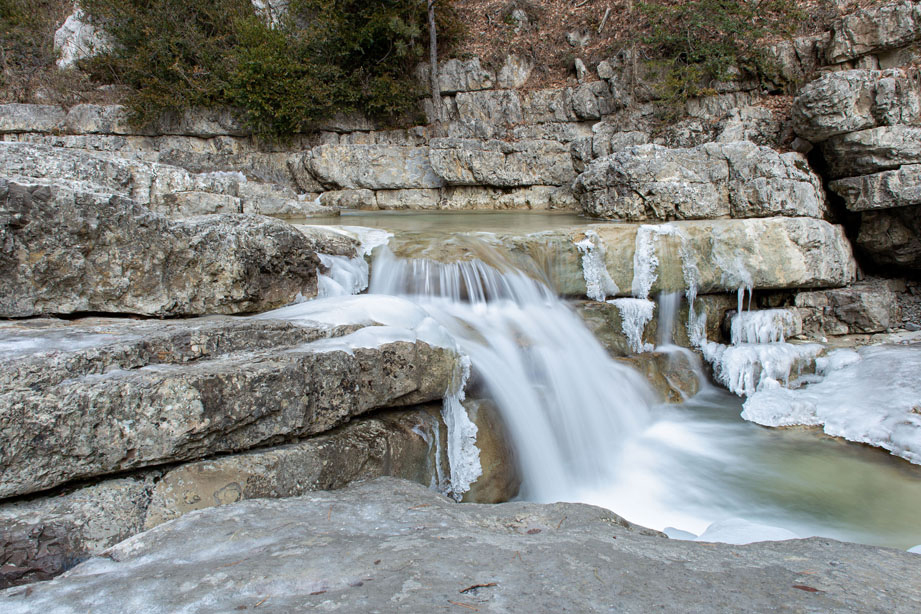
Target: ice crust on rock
column 873, row 398
column 344, row 275
column 635, row 314
column 747, row 368
column 598, row 282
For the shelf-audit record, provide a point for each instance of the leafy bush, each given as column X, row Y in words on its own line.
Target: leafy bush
column 324, row 57
column 699, row 42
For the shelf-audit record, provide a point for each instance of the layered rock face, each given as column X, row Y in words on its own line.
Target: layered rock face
column 869, row 125
column 485, row 558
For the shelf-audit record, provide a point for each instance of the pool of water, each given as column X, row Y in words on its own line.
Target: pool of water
column 699, row 463
column 453, row 221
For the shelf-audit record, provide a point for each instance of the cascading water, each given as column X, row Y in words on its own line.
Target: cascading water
column 567, row 406
column 587, row 428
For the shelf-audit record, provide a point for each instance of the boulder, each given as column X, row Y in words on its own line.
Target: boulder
column 515, row 72
column 501, row 164
column 389, row 546
column 374, row 167
column 868, row 306
column 871, row 151
column 70, row 251
column 891, row 238
column 487, row 114
column 202, row 390
column 874, row 29
column 651, row 182
column 456, row 75
column 886, row 190
column 853, row 100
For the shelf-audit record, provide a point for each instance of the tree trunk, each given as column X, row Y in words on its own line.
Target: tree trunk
column 433, row 59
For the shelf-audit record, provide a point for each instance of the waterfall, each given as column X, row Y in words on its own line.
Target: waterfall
column 568, row 407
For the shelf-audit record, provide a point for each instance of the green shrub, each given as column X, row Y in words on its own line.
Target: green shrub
column 696, row 43
column 325, row 57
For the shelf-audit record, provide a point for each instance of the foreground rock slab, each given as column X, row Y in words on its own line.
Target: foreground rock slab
column 94, row 402
column 393, row 546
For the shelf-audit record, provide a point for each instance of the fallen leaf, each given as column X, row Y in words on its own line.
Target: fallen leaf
column 808, row 589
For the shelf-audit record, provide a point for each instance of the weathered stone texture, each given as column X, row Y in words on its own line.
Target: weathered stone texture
column 651, row 182
column 886, row 190
column 891, row 238
column 150, row 408
column 501, row 164
column 874, row 29
column 372, row 167
column 865, row 307
column 393, row 546
column 66, row 251
column 871, row 151
column 854, row 100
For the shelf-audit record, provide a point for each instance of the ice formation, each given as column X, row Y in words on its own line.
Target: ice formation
column 764, row 326
column 463, row 454
column 635, row 314
column 739, row 531
column 349, row 275
column 598, row 282
column 873, row 398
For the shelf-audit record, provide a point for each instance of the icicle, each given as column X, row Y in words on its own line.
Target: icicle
column 463, row 454
column 635, row 314
column 598, row 282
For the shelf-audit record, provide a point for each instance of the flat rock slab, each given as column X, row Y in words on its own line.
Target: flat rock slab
column 393, row 546
column 109, row 402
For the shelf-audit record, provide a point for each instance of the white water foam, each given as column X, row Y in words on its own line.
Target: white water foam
column 598, row 282
column 635, row 314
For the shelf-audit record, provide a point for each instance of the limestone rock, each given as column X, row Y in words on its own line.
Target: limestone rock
column 488, row 114
column 76, row 39
column 886, row 190
column 67, row 251
column 460, row 76
column 375, row 167
column 874, row 29
column 42, row 538
column 349, row 199
column 391, row 546
column 651, row 182
column 98, row 119
column 501, row 164
column 389, row 200
column 864, row 307
column 515, row 72
column 891, row 238
column 394, row 443
column 200, row 391
column 535, row 197
column 873, row 150
column 15, row 117
column 852, row 100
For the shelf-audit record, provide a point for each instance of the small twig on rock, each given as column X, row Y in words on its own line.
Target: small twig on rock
column 476, row 586
column 464, row 605
column 604, row 19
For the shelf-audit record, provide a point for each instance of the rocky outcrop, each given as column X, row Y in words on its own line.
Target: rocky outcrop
column 853, row 100
column 886, row 190
column 68, row 250
column 874, row 29
column 411, row 549
column 871, row 151
column 153, row 405
column 865, row 307
column 650, row 182
column 372, row 167
column 166, row 189
column 497, row 163
column 76, row 39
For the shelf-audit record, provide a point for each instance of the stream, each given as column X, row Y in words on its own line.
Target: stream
column 589, row 429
